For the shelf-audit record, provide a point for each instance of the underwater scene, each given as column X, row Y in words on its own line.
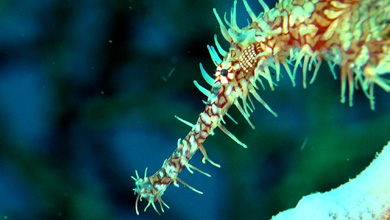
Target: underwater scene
column 89, row 91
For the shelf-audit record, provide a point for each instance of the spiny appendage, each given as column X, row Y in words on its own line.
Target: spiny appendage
column 247, row 56
column 146, row 189
column 354, row 35
column 220, row 98
column 152, row 188
column 359, row 42
column 253, row 51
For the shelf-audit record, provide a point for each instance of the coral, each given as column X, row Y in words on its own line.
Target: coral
column 365, row 197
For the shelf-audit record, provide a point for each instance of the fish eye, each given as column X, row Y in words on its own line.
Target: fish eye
column 224, row 72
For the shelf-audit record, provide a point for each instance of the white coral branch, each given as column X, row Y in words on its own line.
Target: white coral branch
column 365, row 197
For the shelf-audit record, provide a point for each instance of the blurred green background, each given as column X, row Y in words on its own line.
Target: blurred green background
column 88, row 94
